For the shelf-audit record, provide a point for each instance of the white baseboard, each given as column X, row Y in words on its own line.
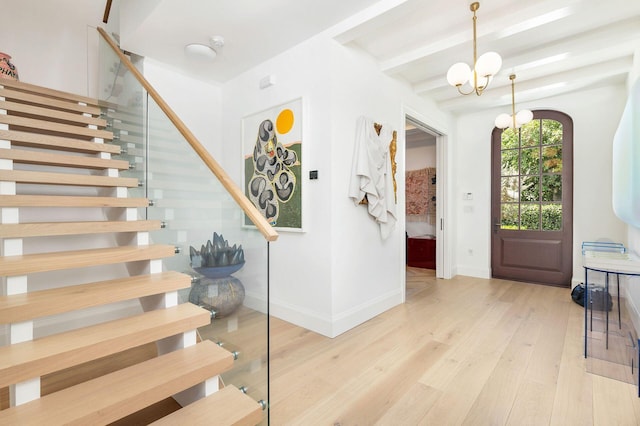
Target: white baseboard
column 365, row 311
column 301, row 317
column 470, row 271
column 255, row 301
column 332, row 327
column 305, row 318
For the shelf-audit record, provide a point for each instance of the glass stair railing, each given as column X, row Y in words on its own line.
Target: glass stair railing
column 203, row 216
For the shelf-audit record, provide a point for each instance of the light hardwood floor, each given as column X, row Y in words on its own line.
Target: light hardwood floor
column 461, row 351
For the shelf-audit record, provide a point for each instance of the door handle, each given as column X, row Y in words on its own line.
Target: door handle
column 496, row 225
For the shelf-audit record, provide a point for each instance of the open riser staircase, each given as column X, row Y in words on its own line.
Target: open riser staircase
column 72, row 244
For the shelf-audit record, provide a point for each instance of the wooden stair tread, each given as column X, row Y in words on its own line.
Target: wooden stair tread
column 42, row 262
column 70, row 201
column 51, row 114
column 56, row 142
column 28, row 306
column 41, row 229
column 58, row 128
column 47, row 92
column 61, row 160
column 108, row 398
column 58, row 104
column 228, row 406
column 34, row 358
column 48, row 178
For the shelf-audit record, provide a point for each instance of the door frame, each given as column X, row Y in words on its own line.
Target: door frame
column 443, row 238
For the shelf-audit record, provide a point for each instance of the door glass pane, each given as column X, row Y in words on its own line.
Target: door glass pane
column 530, row 188
column 531, row 174
column 510, row 159
column 551, row 132
column 552, row 217
column 530, row 216
column 530, row 133
column 531, row 177
column 509, row 190
column 530, row 161
column 509, row 139
column 552, row 159
column 509, row 216
column 552, row 188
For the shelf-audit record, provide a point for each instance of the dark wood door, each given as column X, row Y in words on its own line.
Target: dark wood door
column 532, row 200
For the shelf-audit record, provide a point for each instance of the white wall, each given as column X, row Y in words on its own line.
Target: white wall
column 595, row 115
column 300, row 279
column 368, row 273
column 197, row 104
column 365, row 270
column 49, row 47
column 338, row 272
column 420, row 157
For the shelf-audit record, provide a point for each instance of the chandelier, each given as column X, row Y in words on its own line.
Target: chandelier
column 514, row 120
column 484, row 67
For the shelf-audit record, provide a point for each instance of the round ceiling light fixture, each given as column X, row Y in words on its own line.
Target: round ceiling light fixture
column 205, row 51
column 200, row 51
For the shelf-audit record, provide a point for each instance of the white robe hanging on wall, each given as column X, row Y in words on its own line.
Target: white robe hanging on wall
column 371, row 174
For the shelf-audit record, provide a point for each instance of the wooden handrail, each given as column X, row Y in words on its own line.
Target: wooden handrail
column 107, row 10
column 245, row 204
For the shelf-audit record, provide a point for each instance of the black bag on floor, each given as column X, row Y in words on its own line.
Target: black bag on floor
column 577, row 294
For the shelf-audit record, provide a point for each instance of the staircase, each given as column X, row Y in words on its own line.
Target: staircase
column 66, row 220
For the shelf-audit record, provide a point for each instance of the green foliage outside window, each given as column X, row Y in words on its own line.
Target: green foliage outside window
column 533, row 152
column 530, row 217
column 551, row 217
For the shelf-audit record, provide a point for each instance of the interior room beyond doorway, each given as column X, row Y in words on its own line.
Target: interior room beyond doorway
column 420, row 195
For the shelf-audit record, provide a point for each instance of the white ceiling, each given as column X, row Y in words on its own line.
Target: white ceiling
column 553, row 46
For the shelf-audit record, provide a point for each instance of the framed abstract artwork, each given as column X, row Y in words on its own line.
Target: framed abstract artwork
column 272, row 153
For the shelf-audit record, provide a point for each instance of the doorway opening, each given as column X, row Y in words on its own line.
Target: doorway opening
column 425, row 180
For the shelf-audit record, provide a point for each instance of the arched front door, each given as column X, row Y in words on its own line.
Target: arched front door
column 532, row 200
